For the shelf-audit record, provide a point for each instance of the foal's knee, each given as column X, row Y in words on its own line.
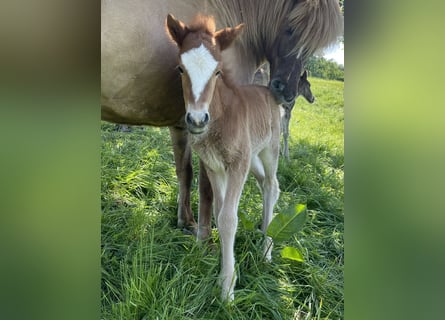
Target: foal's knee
column 227, row 224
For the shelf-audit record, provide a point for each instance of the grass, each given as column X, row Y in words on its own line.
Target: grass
column 151, row 270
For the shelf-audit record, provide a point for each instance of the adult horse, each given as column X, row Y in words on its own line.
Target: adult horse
column 140, row 83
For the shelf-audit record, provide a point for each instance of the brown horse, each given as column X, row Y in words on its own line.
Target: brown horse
column 233, row 129
column 140, row 84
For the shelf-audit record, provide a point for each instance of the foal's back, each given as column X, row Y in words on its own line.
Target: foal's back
column 263, row 113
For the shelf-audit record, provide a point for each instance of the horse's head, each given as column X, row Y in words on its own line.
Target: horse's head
column 200, row 64
column 304, row 88
column 296, row 32
column 285, row 66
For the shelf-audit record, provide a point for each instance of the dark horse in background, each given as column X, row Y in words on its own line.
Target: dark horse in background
column 303, row 86
column 141, row 84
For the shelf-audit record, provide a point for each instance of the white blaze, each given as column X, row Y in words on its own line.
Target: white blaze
column 200, row 66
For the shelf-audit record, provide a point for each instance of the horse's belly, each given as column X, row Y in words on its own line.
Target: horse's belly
column 139, row 82
column 142, row 114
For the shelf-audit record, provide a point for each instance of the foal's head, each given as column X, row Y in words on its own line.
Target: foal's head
column 304, row 88
column 200, row 64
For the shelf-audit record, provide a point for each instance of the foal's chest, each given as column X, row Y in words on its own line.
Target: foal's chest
column 216, row 153
column 211, row 155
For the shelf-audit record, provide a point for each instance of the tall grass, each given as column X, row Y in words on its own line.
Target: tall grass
column 151, row 270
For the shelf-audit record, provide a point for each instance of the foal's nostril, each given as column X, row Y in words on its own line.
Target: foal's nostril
column 197, row 119
column 277, row 85
column 206, row 118
column 188, row 118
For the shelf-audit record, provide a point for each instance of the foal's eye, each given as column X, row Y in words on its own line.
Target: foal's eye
column 218, row 73
column 181, row 71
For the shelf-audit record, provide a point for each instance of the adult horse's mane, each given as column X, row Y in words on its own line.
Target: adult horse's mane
column 317, row 30
column 315, row 23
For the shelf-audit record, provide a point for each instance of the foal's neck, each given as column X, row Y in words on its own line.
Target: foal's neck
column 224, row 96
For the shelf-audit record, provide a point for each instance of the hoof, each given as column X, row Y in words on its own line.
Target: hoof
column 187, row 232
column 191, row 229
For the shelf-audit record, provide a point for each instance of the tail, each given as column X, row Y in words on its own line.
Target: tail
column 318, row 23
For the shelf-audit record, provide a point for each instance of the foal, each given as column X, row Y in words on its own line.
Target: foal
column 303, row 85
column 233, row 129
column 303, row 89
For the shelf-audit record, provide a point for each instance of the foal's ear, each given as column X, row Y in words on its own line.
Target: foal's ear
column 226, row 36
column 176, row 29
column 304, row 75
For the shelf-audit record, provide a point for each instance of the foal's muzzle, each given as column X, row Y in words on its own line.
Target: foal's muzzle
column 311, row 99
column 197, row 121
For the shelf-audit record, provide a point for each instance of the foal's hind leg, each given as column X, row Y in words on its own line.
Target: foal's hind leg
column 184, row 172
column 270, row 190
column 205, row 204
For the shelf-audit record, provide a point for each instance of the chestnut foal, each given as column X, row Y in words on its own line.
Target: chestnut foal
column 233, row 129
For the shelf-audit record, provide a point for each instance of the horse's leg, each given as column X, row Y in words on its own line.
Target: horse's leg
column 271, row 191
column 205, row 204
column 285, row 127
column 227, row 224
column 184, row 172
column 257, row 169
column 218, row 181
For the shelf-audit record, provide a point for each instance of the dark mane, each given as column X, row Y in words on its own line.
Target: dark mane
column 316, row 23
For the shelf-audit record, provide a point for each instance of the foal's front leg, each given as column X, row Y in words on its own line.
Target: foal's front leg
column 227, row 224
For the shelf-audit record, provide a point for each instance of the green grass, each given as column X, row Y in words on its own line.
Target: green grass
column 151, row 270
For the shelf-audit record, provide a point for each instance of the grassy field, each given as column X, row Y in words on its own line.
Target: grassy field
column 151, row 270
